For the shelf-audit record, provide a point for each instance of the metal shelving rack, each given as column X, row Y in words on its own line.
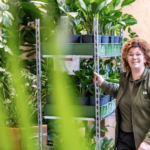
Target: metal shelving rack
column 96, row 55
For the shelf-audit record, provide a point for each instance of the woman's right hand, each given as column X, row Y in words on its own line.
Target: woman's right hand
column 99, row 77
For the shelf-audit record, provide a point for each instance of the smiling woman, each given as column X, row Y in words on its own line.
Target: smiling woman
column 132, row 97
column 139, row 47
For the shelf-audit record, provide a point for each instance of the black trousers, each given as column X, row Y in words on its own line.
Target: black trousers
column 125, row 141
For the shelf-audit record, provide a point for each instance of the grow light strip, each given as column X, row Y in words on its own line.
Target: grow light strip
column 38, row 65
column 96, row 69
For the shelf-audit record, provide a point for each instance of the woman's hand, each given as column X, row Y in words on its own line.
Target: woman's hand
column 144, row 146
column 99, row 77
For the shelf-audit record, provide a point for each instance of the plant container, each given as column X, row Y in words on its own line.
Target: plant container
column 83, row 100
column 88, row 38
column 117, row 39
column 103, row 111
column 74, row 38
column 109, row 108
column 112, row 39
column 19, row 138
column 105, row 38
column 104, row 99
column 111, row 98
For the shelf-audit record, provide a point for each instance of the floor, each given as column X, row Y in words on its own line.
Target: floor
column 111, row 121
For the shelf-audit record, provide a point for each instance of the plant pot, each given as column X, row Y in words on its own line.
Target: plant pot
column 104, row 99
column 116, row 39
column 83, row 100
column 111, row 98
column 105, row 38
column 112, row 39
column 99, row 38
column 88, row 38
column 20, row 141
column 74, row 38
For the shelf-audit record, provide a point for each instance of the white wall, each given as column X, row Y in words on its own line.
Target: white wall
column 140, row 10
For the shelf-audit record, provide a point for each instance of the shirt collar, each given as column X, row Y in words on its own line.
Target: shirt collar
column 143, row 77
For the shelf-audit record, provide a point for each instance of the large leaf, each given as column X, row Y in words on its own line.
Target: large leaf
column 76, row 21
column 123, row 23
column 82, row 4
column 102, row 5
column 109, row 7
column 6, row 20
column 38, row 2
column 9, row 15
column 115, row 27
column 117, row 14
column 127, row 2
column 5, row 7
column 72, row 14
column 130, row 21
column 116, row 2
column 112, row 80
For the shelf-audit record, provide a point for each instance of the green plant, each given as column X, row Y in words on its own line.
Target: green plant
column 131, row 34
column 112, row 19
column 83, row 82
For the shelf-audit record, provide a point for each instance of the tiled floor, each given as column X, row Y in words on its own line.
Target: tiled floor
column 111, row 121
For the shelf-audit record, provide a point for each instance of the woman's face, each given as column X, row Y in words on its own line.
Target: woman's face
column 136, row 58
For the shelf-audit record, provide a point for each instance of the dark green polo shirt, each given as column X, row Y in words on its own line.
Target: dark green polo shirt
column 125, row 106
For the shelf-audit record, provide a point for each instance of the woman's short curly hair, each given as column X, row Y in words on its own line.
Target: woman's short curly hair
column 135, row 42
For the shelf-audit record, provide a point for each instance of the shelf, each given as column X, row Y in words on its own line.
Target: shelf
column 88, row 112
column 105, row 50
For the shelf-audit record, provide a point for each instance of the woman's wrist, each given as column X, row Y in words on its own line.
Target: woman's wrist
column 101, row 82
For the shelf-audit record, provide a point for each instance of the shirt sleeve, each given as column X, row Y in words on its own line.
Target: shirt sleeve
column 110, row 88
column 147, row 138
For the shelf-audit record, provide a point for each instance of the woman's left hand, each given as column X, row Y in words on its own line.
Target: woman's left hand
column 144, row 146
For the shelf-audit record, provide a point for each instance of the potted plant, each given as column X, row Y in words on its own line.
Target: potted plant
column 70, row 20
column 82, row 85
column 87, row 11
column 10, row 103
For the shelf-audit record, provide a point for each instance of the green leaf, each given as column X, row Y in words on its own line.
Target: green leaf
column 31, row 54
column 117, row 14
column 1, row 16
column 72, row 14
column 109, row 7
column 38, row 2
column 5, row 7
column 116, row 3
column 76, row 21
column 9, row 15
column 130, row 21
column 122, row 22
column 112, row 80
column 127, row 2
column 129, row 29
column 82, row 4
column 115, row 27
column 104, row 129
column 102, row 5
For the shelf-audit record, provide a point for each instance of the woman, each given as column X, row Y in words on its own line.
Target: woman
column 132, row 97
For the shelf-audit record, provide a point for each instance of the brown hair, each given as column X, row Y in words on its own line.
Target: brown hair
column 135, row 42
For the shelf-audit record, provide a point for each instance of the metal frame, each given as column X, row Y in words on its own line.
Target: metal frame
column 121, row 35
column 38, row 65
column 96, row 69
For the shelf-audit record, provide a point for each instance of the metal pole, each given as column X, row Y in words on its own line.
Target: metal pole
column 121, row 36
column 96, row 69
column 38, row 68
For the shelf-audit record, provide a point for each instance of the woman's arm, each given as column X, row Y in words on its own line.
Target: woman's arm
column 108, row 87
